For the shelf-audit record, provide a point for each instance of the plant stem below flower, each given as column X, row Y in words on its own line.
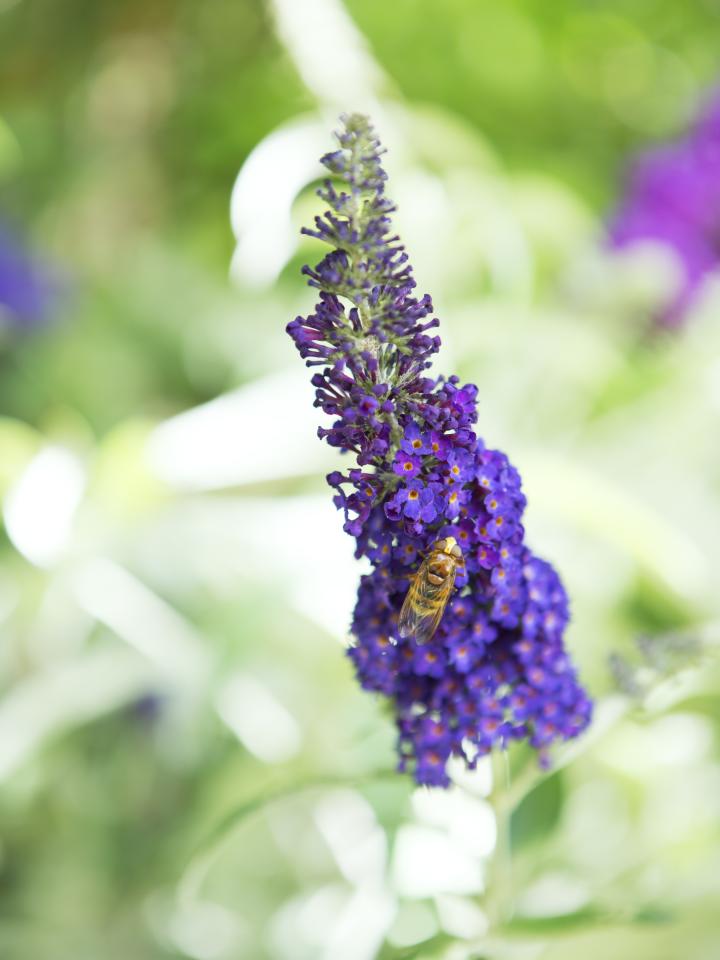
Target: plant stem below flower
column 499, row 894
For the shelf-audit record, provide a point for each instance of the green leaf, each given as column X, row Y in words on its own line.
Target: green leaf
column 202, row 862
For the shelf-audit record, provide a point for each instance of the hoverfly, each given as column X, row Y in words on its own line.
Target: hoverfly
column 430, row 591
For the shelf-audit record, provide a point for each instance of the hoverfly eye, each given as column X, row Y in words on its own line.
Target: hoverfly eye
column 456, row 551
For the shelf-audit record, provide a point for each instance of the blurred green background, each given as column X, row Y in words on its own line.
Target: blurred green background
column 187, row 768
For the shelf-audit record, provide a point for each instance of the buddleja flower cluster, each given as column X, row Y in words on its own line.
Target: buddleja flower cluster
column 673, row 198
column 27, row 288
column 496, row 669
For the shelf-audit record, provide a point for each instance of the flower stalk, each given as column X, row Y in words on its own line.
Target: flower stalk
column 496, row 669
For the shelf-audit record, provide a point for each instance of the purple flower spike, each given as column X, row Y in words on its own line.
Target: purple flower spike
column 28, row 289
column 673, row 198
column 496, row 669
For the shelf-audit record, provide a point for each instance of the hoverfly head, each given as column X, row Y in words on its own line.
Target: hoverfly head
column 450, row 546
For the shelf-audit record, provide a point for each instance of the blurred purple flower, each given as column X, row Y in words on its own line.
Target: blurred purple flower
column 28, row 289
column 496, row 669
column 673, row 198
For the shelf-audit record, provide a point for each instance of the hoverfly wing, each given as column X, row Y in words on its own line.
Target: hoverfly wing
column 424, row 605
column 428, row 624
column 409, row 614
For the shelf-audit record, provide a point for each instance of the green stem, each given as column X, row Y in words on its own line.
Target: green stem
column 499, row 881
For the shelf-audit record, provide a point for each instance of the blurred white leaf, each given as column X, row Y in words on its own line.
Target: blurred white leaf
column 592, row 502
column 427, row 862
column 40, row 507
column 468, row 820
column 262, row 198
column 358, row 843
column 554, row 893
column 258, row 719
column 359, row 928
column 143, row 620
column 331, row 55
column 78, row 690
column 295, row 545
column 258, row 433
column 461, row 917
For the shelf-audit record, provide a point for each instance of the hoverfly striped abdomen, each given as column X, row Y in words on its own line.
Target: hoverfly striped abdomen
column 430, row 590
